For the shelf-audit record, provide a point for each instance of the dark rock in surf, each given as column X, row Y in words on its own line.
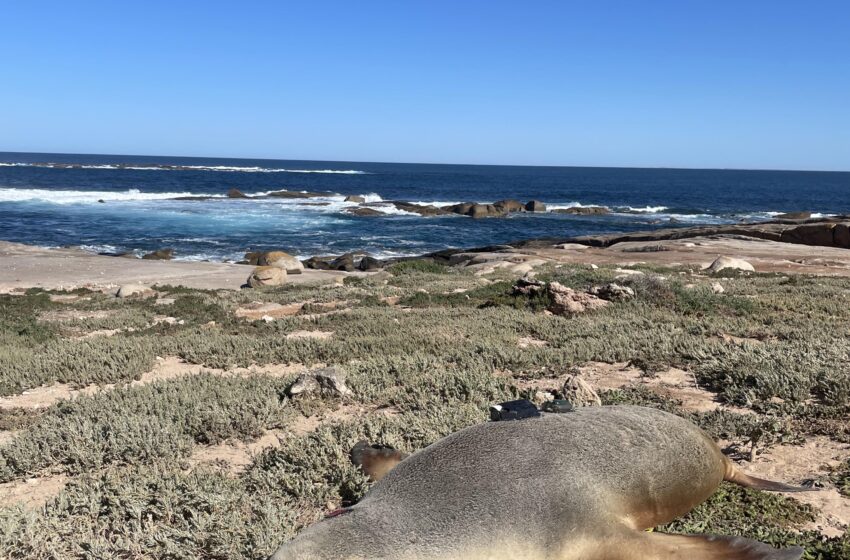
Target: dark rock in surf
column 509, row 205
column 535, row 206
column 355, row 198
column 363, row 212
column 160, row 255
column 583, row 210
column 236, row 193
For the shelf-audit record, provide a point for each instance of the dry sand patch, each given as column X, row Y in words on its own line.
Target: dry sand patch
column 236, row 455
column 812, row 460
column 32, row 493
column 526, row 341
column 319, row 335
column 165, row 368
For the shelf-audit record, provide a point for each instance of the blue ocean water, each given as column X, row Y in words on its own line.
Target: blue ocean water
column 52, row 200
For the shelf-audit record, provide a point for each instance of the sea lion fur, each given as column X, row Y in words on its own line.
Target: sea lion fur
column 577, row 486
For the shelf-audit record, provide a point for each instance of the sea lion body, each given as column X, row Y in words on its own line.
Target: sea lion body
column 575, row 486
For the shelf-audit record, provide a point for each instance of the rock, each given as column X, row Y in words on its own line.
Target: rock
column 841, row 236
column 579, row 392
column 462, row 208
column 794, row 216
column 135, row 290
column 509, row 205
column 355, row 198
column 717, row 288
column 422, row 210
column 343, row 262
column 809, row 234
column 485, row 211
column 363, row 212
column 236, row 193
column 266, row 276
column 612, row 292
column 583, row 210
column 528, row 286
column 101, row 201
column 594, row 266
column 723, row 263
column 282, row 260
column 566, row 301
column 370, row 263
column 535, row 206
column 318, row 263
column 327, row 380
column 160, row 255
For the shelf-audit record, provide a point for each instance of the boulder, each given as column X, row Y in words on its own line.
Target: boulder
column 370, row 263
column 160, row 255
column 355, row 198
column 135, row 290
column 318, row 263
column 485, row 211
column 612, row 292
column 509, row 205
column 236, row 193
column 282, row 260
column 717, row 288
column 841, row 235
column 566, row 301
column 462, row 208
column 535, row 206
column 723, row 263
column 809, row 234
column 266, row 276
column 583, row 210
column 343, row 262
column 327, row 380
column 363, row 212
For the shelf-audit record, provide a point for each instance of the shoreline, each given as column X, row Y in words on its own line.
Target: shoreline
column 781, row 246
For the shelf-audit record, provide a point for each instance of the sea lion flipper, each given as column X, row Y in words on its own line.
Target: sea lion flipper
column 375, row 460
column 705, row 547
column 748, row 481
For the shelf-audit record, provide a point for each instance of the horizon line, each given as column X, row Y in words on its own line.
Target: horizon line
column 657, row 167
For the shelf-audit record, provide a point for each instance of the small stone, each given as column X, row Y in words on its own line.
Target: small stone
column 717, row 288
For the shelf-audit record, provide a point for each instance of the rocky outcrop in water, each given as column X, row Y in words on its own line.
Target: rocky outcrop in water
column 159, row 255
column 583, row 210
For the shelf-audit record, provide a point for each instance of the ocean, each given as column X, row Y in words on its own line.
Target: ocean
column 52, row 200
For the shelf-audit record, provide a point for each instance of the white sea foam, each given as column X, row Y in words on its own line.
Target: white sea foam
column 165, row 167
column 87, row 197
column 644, row 209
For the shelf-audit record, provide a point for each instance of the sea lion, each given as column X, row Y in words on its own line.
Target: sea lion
column 577, row 486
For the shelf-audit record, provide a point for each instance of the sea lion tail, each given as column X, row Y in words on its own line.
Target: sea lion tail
column 733, row 474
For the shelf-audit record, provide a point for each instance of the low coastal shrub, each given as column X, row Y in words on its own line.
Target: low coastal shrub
column 418, row 370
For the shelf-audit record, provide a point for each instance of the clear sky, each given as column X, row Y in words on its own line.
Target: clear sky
column 680, row 83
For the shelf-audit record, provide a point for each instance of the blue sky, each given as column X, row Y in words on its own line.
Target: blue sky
column 681, row 83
